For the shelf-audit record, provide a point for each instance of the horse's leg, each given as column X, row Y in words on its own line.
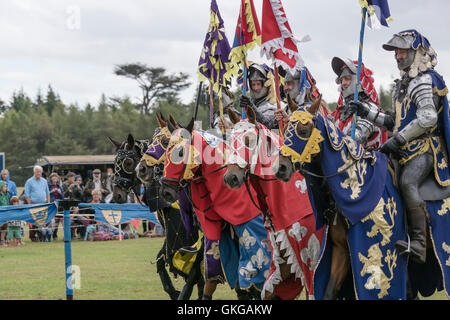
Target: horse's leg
column 200, row 287
column 340, row 258
column 242, row 294
column 209, row 289
column 192, row 279
column 164, row 276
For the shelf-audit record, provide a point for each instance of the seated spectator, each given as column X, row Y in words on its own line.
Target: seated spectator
column 78, row 229
column 47, row 231
column 96, row 198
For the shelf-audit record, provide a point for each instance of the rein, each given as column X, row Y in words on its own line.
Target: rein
column 307, row 172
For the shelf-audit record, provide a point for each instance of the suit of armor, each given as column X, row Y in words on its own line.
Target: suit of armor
column 366, row 132
column 304, row 90
column 417, row 123
column 262, row 102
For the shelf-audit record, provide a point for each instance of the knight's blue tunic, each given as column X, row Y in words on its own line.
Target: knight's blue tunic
column 438, row 139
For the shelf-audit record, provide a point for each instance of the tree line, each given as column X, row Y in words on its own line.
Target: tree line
column 44, row 125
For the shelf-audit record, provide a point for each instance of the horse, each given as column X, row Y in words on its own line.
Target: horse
column 226, row 216
column 149, row 171
column 289, row 218
column 354, row 193
column 176, row 242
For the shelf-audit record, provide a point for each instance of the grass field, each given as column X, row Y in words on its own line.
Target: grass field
column 109, row 270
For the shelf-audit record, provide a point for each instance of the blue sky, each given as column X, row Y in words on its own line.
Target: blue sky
column 74, row 45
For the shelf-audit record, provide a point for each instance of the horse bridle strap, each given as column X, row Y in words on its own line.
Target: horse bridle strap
column 303, row 170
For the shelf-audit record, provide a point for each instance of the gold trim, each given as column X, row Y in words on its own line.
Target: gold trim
column 436, row 164
column 302, row 116
column 439, row 261
column 312, row 147
column 422, row 145
column 442, row 92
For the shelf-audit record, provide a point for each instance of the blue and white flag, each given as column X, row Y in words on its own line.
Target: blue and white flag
column 378, row 11
column 114, row 213
column 37, row 214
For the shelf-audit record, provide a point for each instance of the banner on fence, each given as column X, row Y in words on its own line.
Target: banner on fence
column 114, row 213
column 37, row 214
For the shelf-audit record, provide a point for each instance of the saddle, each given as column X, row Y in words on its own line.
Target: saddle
column 429, row 190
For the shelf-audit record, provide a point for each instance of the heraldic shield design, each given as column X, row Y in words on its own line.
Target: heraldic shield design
column 39, row 214
column 112, row 216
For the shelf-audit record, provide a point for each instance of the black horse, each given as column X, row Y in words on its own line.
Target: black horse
column 128, row 155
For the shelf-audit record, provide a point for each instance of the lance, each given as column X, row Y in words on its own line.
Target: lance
column 242, row 43
column 358, row 76
column 198, row 100
column 277, row 91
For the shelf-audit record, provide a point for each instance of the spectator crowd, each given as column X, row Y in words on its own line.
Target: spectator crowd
column 37, row 189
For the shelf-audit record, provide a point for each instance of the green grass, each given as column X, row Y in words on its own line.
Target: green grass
column 109, row 270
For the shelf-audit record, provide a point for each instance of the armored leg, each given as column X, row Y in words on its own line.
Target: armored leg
column 413, row 174
column 417, row 232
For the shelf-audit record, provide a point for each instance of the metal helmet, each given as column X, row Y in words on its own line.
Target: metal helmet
column 345, row 67
column 257, row 72
column 410, row 40
column 295, row 77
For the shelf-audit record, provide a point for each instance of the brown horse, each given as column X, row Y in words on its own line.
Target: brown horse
column 289, row 218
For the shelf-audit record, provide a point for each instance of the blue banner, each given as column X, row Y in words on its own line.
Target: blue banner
column 114, row 213
column 37, row 214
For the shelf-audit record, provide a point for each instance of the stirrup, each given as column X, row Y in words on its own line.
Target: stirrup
column 409, row 245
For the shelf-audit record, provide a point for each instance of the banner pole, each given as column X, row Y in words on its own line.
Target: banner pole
column 66, row 205
column 358, row 76
column 277, row 92
column 68, row 255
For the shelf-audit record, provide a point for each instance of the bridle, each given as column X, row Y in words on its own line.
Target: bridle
column 127, row 182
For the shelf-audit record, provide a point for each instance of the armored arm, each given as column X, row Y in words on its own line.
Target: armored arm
column 363, row 130
column 265, row 114
column 421, row 93
column 373, row 114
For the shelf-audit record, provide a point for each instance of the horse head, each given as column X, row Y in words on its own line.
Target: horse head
column 181, row 160
column 128, row 154
column 299, row 138
column 152, row 162
column 244, row 147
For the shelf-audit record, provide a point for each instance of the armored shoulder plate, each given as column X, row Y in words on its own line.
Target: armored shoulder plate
column 421, row 93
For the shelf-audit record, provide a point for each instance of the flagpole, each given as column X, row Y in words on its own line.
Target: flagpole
column 358, row 76
column 198, row 99
column 242, row 43
column 211, row 106
column 277, row 91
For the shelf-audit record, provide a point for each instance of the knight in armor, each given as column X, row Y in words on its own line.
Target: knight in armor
column 262, row 95
column 300, row 87
column 420, row 130
column 366, row 132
